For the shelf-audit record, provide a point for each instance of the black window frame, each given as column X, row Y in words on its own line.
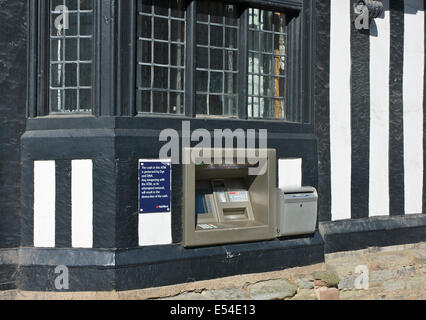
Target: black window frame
column 114, row 81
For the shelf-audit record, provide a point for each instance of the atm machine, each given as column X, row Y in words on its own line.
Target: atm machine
column 223, row 203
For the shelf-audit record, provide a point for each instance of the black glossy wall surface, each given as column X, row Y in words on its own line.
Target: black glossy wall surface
column 321, row 106
column 12, row 115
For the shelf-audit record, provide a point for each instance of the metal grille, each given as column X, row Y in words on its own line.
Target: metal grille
column 267, row 40
column 217, row 58
column 71, row 56
column 161, row 56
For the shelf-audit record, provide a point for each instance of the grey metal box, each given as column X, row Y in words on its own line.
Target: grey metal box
column 296, row 211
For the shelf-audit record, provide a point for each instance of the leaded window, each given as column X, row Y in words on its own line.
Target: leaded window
column 193, row 58
column 267, row 40
column 161, row 56
column 217, row 58
column 71, row 56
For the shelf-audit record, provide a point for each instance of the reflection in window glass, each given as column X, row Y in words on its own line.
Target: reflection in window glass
column 161, row 56
column 267, row 65
column 217, row 58
column 71, row 56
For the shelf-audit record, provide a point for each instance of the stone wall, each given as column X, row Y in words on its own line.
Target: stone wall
column 397, row 272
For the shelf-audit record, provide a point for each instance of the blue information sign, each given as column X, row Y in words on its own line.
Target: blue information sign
column 154, row 186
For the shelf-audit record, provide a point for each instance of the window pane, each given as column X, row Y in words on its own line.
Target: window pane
column 71, row 75
column 203, row 34
column 145, row 6
column 161, row 53
column 56, row 100
column 231, row 60
column 71, row 100
column 201, row 104
column 160, row 101
column 202, row 58
column 85, row 75
column 231, row 38
column 71, row 56
column 86, row 49
column 161, row 28
column 85, row 99
column 216, row 82
column 144, row 100
column 267, row 65
column 72, row 4
column 71, row 52
column 202, row 81
column 56, row 50
column 57, row 75
column 161, row 56
column 162, row 7
column 216, row 36
column 86, row 5
column 216, row 105
column 177, row 102
column 177, row 76
column 144, row 26
column 177, row 55
column 217, row 58
column 144, row 76
column 230, row 82
column 160, row 78
column 177, row 30
column 230, row 105
column 145, row 51
column 86, row 24
column 73, row 24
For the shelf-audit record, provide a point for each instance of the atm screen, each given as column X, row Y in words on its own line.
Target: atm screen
column 202, row 202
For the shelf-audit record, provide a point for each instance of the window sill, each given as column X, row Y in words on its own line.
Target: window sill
column 161, row 122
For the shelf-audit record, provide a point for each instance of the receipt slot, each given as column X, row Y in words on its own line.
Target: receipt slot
column 296, row 211
column 223, row 203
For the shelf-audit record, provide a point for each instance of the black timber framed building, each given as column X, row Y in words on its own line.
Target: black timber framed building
column 82, row 104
